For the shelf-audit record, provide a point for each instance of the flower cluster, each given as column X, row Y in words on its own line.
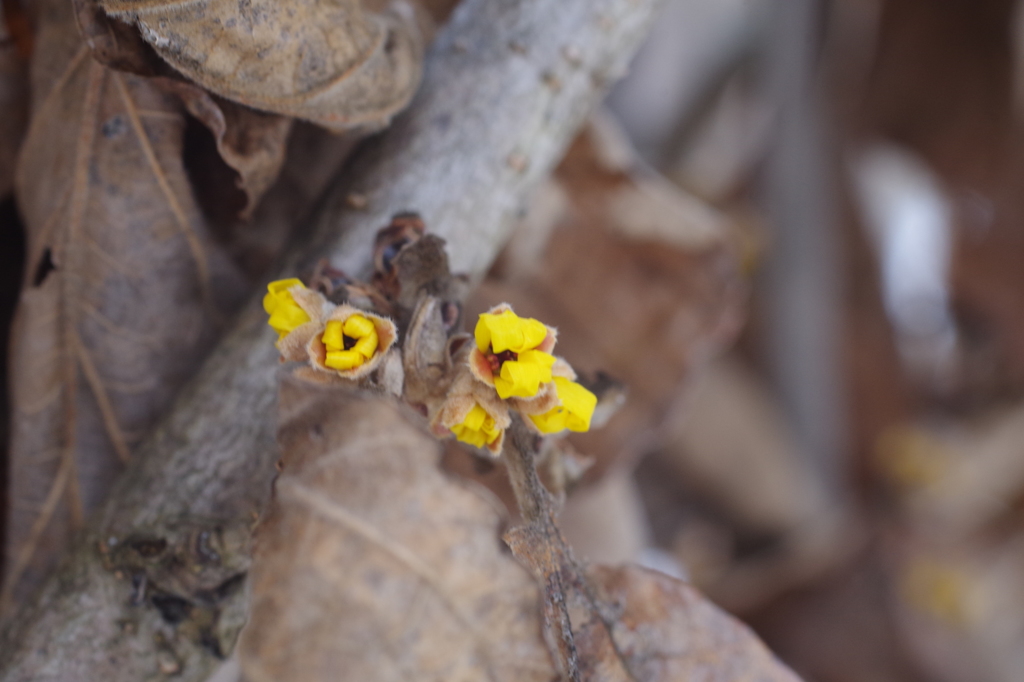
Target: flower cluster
column 337, row 340
column 510, row 367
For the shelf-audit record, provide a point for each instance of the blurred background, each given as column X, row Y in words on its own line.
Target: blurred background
column 831, row 446
column 795, row 235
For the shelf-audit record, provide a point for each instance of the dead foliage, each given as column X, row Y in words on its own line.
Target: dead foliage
column 339, row 64
column 373, row 564
column 125, row 287
column 141, row 188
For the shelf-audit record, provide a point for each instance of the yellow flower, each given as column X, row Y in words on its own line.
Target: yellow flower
column 506, row 331
column 350, row 343
column 478, row 428
column 512, row 353
column 574, row 411
column 285, row 314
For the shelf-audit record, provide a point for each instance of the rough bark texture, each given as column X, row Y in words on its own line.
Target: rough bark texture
column 507, row 85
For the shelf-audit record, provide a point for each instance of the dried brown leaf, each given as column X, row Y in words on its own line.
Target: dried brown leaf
column 252, row 143
column 666, row 631
column 373, row 565
column 340, row 64
column 628, row 624
column 13, row 104
column 124, row 287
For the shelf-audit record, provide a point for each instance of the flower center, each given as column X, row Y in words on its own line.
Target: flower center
column 495, row 360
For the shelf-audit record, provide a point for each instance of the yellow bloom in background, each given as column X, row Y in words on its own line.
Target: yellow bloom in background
column 351, row 343
column 285, row 313
column 939, row 589
column 574, row 411
column 478, row 428
column 510, row 345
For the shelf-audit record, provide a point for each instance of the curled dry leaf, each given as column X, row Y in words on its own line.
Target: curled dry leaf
column 13, row 104
column 340, row 64
column 252, row 143
column 313, row 156
column 373, row 565
column 124, row 287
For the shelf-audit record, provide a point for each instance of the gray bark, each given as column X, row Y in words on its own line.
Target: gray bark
column 155, row 587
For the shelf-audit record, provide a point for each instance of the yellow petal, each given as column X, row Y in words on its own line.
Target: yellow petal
column 475, row 438
column 574, row 412
column 507, row 331
column 285, row 314
column 477, row 428
column 522, row 378
column 551, row 421
column 475, row 418
column 333, row 339
column 276, row 288
column 368, row 344
column 287, row 317
column 282, row 285
column 578, row 402
column 491, row 431
column 343, row 359
column 358, row 326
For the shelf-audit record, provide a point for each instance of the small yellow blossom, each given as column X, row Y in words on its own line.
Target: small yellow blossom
column 574, row 411
column 506, row 331
column 285, row 314
column 478, row 428
column 350, row 343
column 512, row 353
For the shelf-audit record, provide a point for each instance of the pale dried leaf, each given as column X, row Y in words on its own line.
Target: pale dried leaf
column 372, row 565
column 340, row 64
column 124, row 288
